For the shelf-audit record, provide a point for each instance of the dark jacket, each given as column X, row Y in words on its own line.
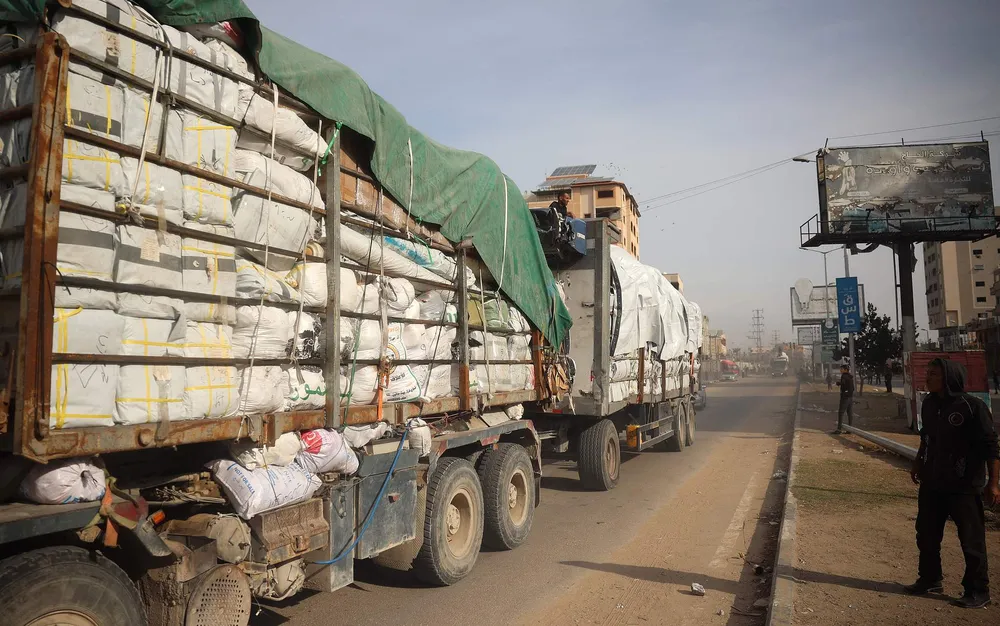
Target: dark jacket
column 957, row 436
column 558, row 208
column 846, row 384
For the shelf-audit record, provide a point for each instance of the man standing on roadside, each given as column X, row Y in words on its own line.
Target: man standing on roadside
column 846, row 385
column 888, row 376
column 957, row 468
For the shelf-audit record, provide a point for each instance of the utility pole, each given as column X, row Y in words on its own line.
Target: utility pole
column 758, row 329
column 850, row 336
column 776, row 337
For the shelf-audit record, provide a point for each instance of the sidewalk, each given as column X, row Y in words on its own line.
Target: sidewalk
column 854, row 539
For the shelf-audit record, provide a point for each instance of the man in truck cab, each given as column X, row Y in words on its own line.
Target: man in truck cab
column 561, row 205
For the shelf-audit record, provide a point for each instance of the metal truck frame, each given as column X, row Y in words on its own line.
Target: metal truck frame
column 190, row 559
column 588, row 425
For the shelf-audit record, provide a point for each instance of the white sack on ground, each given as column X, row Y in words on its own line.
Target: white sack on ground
column 117, row 49
column 201, row 143
column 282, row 453
column 356, row 246
column 253, row 280
column 262, row 389
column 430, row 259
column 193, row 82
column 651, row 311
column 158, row 195
column 64, row 482
column 150, row 394
column 326, row 451
column 360, row 436
column 151, row 258
column 259, row 112
column 308, row 334
column 83, row 395
column 306, row 390
column 153, row 337
column 209, row 268
column 251, row 492
column 263, row 332
column 276, row 225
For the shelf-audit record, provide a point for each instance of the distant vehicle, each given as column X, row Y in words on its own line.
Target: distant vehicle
column 729, row 370
column 779, row 366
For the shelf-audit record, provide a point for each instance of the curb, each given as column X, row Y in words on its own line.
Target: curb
column 892, row 446
column 782, row 609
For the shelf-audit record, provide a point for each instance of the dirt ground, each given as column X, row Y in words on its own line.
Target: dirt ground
column 855, row 537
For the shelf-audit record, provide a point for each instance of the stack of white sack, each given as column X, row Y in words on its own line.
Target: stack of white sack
column 193, row 82
column 252, row 492
column 428, row 258
column 98, row 109
column 305, row 389
column 360, row 248
column 86, row 245
column 151, row 393
column 310, row 281
column 255, row 281
column 487, row 348
column 64, row 482
column 522, row 376
column 83, row 395
column 397, row 295
column 151, row 258
column 326, row 451
column 264, row 221
column 262, row 332
column 624, row 378
column 212, row 391
column 308, row 335
column 209, row 268
column 262, row 389
column 405, row 382
column 440, row 380
column 259, row 113
column 155, row 192
column 281, row 454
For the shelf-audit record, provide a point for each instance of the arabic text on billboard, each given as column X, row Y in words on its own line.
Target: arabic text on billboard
column 809, row 308
column 808, row 335
column 907, row 189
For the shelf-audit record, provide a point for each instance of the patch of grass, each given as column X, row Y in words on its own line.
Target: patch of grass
column 840, row 485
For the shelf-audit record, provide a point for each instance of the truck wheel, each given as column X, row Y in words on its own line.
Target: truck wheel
column 678, row 442
column 453, row 527
column 67, row 585
column 402, row 556
column 599, row 456
column 508, row 482
column 689, row 431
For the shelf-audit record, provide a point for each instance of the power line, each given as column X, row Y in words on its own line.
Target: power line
column 745, row 176
column 903, row 130
column 649, row 201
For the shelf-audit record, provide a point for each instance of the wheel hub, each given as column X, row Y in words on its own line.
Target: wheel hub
column 63, row 618
column 454, row 520
column 511, row 496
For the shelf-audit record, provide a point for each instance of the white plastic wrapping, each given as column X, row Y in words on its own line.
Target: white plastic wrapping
column 95, row 107
column 210, row 391
column 87, row 165
column 253, row 280
column 360, row 436
column 158, row 194
column 264, row 332
column 151, row 258
column 281, row 454
column 307, row 333
column 193, row 82
column 438, row 305
column 652, row 310
column 209, row 268
column 143, row 336
column 493, row 378
column 201, row 143
column 137, row 110
column 310, row 279
column 274, row 224
column 83, row 395
column 17, row 85
column 259, row 112
column 326, row 451
column 430, row 259
column 207, row 202
column 15, row 142
column 150, row 394
column 256, row 169
column 251, row 492
column 359, row 248
column 306, row 389
column 262, row 389
column 64, row 482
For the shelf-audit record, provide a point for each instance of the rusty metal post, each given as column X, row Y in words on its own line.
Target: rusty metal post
column 332, row 371
column 463, row 332
column 41, row 239
column 536, row 362
column 642, row 374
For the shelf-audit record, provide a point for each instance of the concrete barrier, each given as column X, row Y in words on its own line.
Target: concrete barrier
column 885, row 442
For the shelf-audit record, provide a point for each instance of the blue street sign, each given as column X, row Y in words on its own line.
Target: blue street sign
column 849, row 305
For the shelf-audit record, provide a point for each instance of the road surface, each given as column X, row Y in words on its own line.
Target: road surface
column 627, row 556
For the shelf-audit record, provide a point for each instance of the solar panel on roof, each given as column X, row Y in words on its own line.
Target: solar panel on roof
column 574, row 170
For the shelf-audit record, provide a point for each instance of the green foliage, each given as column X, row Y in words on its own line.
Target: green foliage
column 877, row 342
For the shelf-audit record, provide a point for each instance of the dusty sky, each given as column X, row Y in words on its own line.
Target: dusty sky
column 669, row 95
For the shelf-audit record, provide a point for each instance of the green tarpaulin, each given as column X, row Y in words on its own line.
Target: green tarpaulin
column 462, row 192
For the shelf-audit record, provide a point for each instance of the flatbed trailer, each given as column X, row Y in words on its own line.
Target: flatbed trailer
column 593, row 424
column 163, row 528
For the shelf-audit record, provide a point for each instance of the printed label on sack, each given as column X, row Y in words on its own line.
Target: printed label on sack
column 150, row 249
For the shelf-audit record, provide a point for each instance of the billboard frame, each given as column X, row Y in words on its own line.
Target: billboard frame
column 834, row 308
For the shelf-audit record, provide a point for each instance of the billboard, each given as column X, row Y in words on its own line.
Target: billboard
column 909, row 191
column 808, row 335
column 848, row 305
column 812, row 305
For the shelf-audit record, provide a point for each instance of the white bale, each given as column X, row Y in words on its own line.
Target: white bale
column 87, row 165
column 326, row 451
column 153, row 337
column 438, row 305
column 64, row 482
column 17, row 85
column 211, row 392
column 308, row 333
column 256, row 169
column 221, row 39
column 281, row 454
column 158, row 194
column 253, row 280
column 358, row 247
column 258, row 112
column 306, row 389
column 95, row 107
column 406, row 382
column 134, row 120
column 494, row 378
column 88, row 197
column 262, row 389
column 15, row 143
column 251, row 492
column 209, row 268
column 116, row 49
column 522, row 376
column 360, row 436
column 207, row 202
column 193, row 82
column 83, row 395
column 429, row 259
column 201, row 143
column 273, row 224
column 151, row 258
column 150, row 394
column 397, row 294
column 262, row 332
column 419, row 437
column 310, row 279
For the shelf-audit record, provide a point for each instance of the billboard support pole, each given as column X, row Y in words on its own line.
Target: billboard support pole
column 850, row 336
column 904, row 254
column 826, row 301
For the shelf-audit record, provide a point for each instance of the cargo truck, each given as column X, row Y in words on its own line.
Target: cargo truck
column 162, row 545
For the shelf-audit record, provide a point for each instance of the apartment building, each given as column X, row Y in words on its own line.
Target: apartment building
column 960, row 279
column 675, row 280
column 593, row 196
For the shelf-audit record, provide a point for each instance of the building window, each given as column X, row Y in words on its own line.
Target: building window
column 606, row 193
column 977, row 252
column 978, row 268
column 980, row 283
column 981, row 300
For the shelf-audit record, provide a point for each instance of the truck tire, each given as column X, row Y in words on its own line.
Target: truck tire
column 68, row 585
column 453, row 526
column 599, row 456
column 689, row 431
column 402, row 556
column 508, row 482
column 678, row 442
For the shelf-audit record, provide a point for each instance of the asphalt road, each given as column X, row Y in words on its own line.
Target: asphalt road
column 623, row 556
